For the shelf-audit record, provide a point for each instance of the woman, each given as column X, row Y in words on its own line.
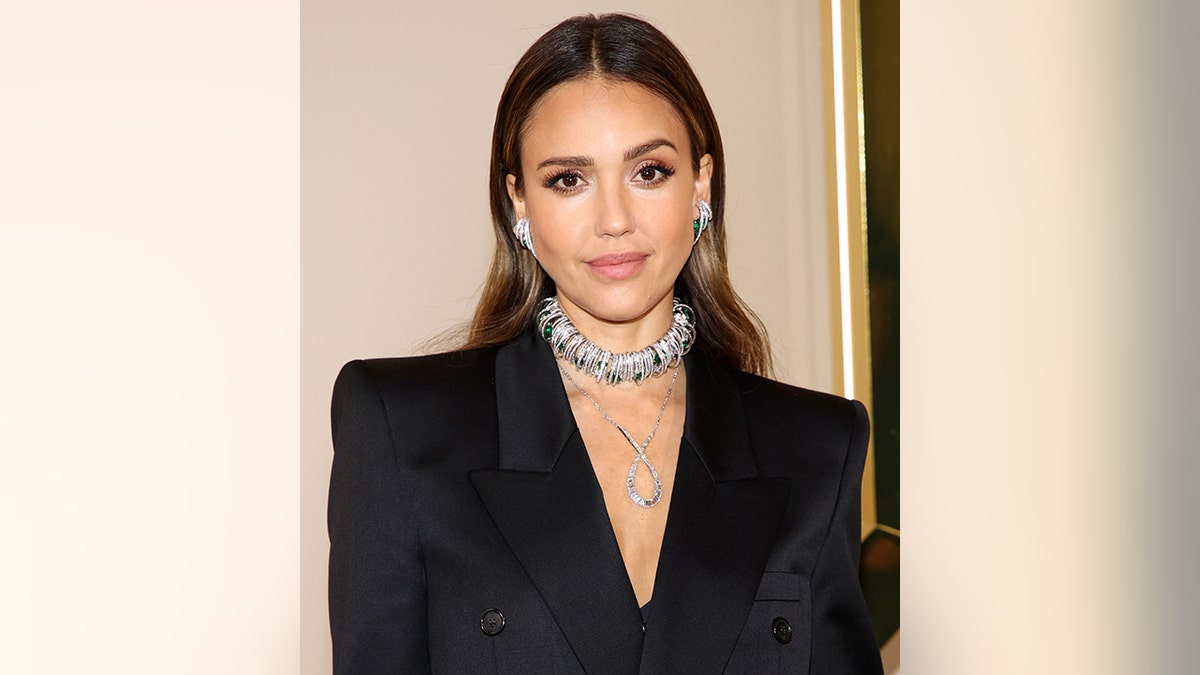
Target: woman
column 600, row 481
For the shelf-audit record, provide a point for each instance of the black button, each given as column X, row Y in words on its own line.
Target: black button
column 782, row 630
column 492, row 622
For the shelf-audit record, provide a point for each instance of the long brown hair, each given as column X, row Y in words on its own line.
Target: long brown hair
column 623, row 48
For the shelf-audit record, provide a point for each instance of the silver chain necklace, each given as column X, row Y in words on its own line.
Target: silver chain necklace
column 570, row 345
column 640, row 450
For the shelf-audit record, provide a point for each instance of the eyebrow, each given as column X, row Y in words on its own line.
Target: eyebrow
column 579, row 161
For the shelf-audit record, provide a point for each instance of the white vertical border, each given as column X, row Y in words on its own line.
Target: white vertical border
column 843, row 199
column 850, row 318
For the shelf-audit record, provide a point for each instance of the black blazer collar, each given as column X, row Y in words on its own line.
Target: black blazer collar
column 715, row 425
column 535, row 415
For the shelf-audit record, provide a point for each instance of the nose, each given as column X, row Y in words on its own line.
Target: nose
column 614, row 215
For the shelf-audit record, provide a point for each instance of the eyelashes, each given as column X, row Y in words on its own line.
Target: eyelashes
column 655, row 172
column 565, row 181
column 647, row 175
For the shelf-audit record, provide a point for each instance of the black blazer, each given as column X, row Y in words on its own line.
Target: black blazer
column 461, row 487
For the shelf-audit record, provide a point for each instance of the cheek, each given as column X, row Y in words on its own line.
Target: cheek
column 674, row 225
column 557, row 237
column 554, row 229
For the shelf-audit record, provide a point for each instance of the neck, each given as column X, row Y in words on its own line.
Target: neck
column 621, row 336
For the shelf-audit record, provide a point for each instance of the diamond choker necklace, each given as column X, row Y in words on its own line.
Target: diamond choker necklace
column 570, row 345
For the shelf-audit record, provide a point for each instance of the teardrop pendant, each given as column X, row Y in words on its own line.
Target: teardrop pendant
column 631, row 486
column 638, row 450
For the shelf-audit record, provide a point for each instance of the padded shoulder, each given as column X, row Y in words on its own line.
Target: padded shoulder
column 761, row 395
column 426, row 401
column 800, row 431
column 422, row 377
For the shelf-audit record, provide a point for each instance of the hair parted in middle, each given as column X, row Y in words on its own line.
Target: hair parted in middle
column 622, row 48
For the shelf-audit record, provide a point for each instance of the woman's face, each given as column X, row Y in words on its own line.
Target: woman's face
column 610, row 195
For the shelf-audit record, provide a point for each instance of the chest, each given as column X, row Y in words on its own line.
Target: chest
column 620, row 470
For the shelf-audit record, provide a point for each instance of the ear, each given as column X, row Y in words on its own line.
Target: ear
column 515, row 196
column 704, row 179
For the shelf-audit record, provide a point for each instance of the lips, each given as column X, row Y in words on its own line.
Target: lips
column 618, row 265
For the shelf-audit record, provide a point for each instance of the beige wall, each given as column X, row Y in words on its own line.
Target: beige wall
column 397, row 110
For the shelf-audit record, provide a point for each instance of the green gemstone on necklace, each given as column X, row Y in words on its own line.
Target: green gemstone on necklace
column 548, row 332
column 657, row 359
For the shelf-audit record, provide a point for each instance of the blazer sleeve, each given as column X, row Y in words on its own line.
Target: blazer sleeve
column 377, row 599
column 843, row 639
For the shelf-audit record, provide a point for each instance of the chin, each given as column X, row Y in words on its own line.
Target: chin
column 624, row 307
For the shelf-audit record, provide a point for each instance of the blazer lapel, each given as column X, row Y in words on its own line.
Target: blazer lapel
column 720, row 530
column 547, row 504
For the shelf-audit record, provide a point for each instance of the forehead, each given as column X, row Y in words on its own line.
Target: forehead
column 594, row 115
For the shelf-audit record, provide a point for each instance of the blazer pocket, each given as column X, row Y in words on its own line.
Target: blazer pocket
column 778, row 632
column 780, row 586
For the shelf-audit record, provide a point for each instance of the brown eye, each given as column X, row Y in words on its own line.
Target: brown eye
column 653, row 174
column 566, row 182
